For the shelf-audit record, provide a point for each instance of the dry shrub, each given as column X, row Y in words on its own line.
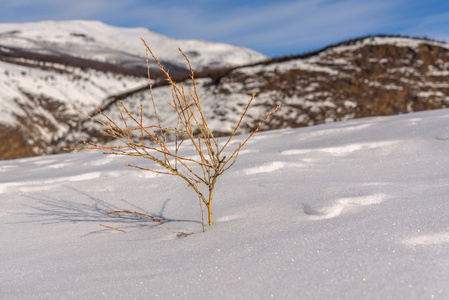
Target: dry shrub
column 201, row 171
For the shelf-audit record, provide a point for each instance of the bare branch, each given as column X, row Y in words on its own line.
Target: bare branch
column 200, row 171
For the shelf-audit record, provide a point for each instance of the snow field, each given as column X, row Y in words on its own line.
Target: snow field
column 348, row 210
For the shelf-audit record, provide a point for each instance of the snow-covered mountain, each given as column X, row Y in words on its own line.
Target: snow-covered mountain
column 97, row 41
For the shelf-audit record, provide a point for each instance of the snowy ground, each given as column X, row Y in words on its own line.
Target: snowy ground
column 350, row 210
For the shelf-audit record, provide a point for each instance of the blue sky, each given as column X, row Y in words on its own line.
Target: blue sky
column 275, row 28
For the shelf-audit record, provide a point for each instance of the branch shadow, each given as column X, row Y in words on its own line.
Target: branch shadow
column 50, row 210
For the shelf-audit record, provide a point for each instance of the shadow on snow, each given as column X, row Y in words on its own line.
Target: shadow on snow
column 50, row 210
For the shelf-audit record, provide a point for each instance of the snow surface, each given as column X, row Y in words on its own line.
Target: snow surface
column 348, row 210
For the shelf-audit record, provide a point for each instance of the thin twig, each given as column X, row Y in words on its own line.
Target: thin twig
column 158, row 222
column 109, row 227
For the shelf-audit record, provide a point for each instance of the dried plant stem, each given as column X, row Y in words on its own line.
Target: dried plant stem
column 109, row 227
column 134, row 213
column 157, row 221
column 199, row 172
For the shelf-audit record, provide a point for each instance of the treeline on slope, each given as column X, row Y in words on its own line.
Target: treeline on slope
column 44, row 61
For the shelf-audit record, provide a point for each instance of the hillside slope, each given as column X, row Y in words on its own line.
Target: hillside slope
column 373, row 76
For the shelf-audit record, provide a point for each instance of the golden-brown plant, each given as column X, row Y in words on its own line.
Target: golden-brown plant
column 200, row 171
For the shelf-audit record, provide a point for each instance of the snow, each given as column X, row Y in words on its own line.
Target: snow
column 349, row 210
column 98, row 41
column 310, row 64
column 398, row 41
column 84, row 89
